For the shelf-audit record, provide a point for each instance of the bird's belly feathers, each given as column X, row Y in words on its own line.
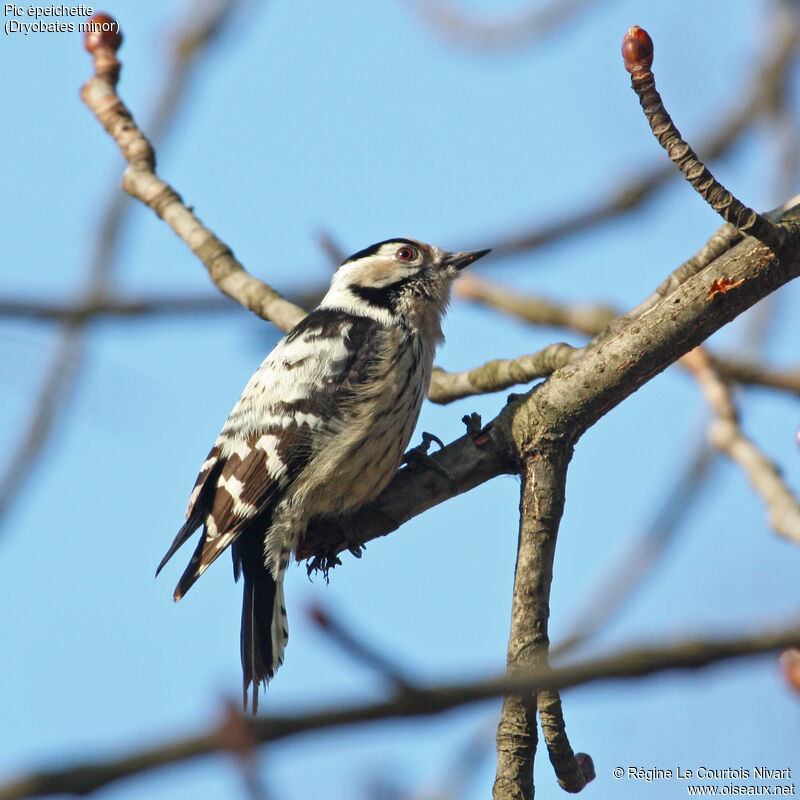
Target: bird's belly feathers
column 354, row 465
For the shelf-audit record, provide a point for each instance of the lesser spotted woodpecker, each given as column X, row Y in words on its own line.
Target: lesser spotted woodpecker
column 319, row 430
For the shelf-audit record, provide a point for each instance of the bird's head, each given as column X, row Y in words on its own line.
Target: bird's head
column 398, row 279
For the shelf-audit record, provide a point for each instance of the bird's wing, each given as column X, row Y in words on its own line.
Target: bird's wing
column 241, row 495
column 296, row 396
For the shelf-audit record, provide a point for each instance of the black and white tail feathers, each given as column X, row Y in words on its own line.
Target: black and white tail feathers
column 264, row 625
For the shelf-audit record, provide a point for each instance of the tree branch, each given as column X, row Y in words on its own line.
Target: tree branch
column 140, row 181
column 637, row 50
column 129, row 307
column 752, row 373
column 769, row 82
column 205, row 25
column 593, row 320
column 53, row 396
column 499, row 374
column 573, row 770
column 470, row 460
column 541, row 506
column 577, row 395
column 727, row 436
column 92, row 775
column 108, row 306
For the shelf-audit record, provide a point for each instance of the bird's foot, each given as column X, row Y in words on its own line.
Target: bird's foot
column 418, row 456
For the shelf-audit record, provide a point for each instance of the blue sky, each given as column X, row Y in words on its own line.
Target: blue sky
column 355, row 119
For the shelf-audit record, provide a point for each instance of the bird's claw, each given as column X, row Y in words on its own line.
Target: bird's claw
column 418, row 456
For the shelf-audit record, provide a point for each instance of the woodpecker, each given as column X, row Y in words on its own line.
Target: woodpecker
column 319, row 430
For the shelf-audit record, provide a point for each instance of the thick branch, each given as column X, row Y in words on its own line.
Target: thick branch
column 577, row 395
column 599, row 321
column 93, row 775
column 541, row 506
column 470, row 461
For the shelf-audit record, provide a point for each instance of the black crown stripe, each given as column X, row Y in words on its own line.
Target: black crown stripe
column 373, row 249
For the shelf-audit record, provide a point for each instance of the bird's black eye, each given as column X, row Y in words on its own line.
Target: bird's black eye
column 406, row 254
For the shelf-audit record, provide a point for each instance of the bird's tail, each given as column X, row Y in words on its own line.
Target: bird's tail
column 264, row 629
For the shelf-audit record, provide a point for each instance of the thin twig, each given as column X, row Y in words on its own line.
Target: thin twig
column 52, row 398
column 499, row 374
column 141, row 182
column 637, row 49
column 109, row 306
column 358, row 649
column 573, row 770
column 331, row 248
column 770, row 77
column 71, row 349
column 129, row 308
column 586, row 318
column 594, row 320
column 92, row 775
column 726, row 435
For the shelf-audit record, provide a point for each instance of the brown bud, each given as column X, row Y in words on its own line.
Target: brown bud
column 790, row 664
column 637, row 49
column 103, row 31
column 586, row 764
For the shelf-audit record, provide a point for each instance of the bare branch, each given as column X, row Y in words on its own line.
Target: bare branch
column 541, row 506
column 594, row 320
column 720, row 243
column 575, row 396
column 637, row 50
column 726, row 435
column 499, row 374
column 108, row 306
column 53, row 396
column 470, row 460
column 141, row 182
column 129, row 308
column 92, row 775
column 111, row 220
column 573, row 770
column 331, row 248
column 769, row 81
column 358, row 649
column 538, row 310
column 753, row 373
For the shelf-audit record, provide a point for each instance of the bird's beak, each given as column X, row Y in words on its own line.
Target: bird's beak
column 461, row 260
